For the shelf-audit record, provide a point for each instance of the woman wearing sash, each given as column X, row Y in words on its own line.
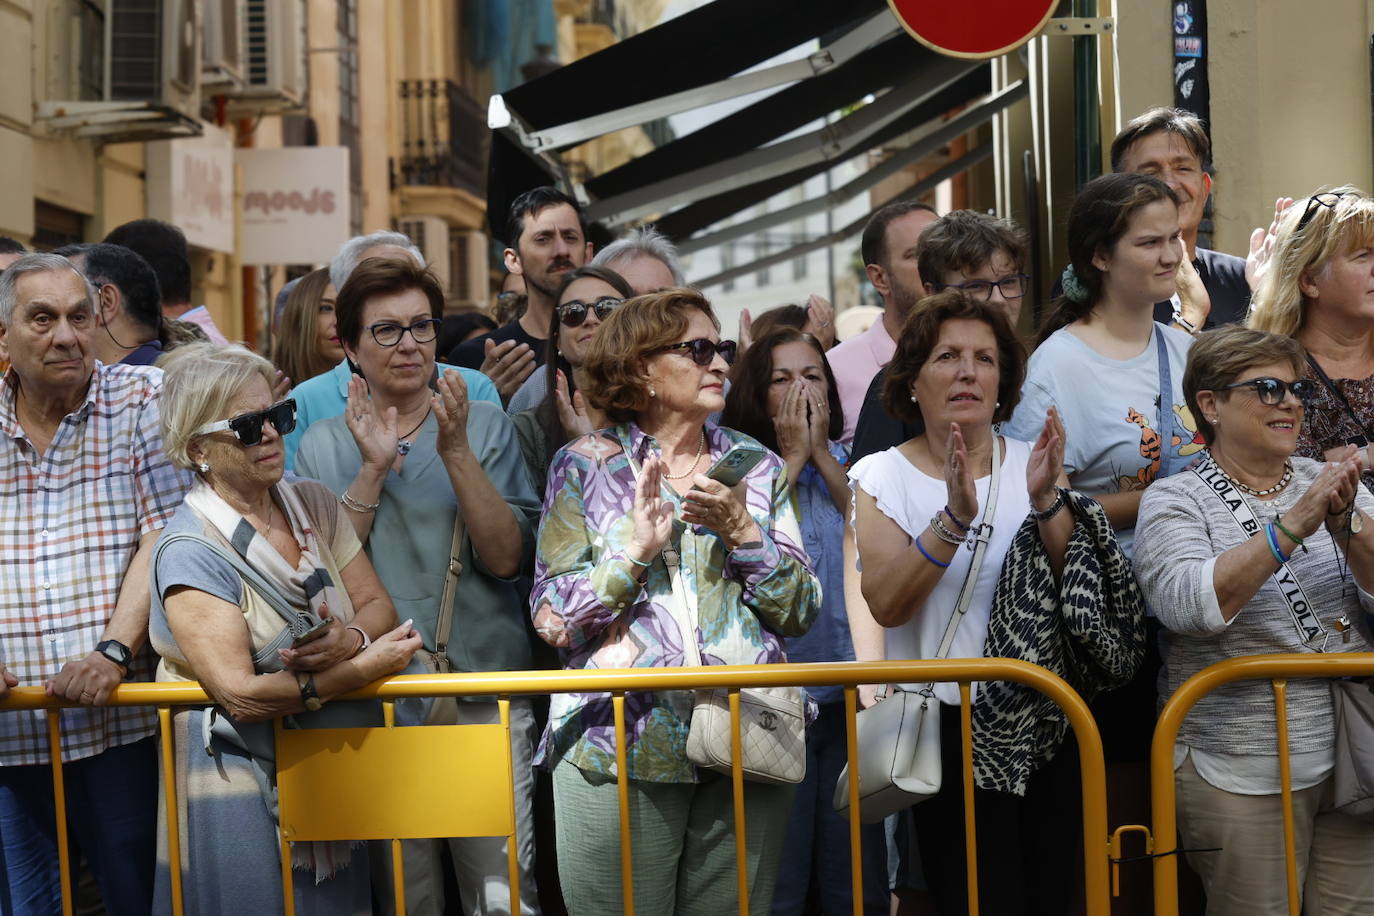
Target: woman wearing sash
column 1253, row 552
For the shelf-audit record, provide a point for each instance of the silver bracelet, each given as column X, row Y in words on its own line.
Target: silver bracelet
column 942, row 531
column 1185, row 323
column 348, row 502
column 367, row 640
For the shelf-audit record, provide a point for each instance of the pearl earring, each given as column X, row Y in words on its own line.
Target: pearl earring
column 652, row 392
column 203, row 467
column 997, row 406
column 913, row 399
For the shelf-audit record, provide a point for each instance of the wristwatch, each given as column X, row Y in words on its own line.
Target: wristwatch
column 1356, row 521
column 306, row 682
column 116, row 652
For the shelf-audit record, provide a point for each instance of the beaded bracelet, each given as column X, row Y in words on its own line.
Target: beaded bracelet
column 955, row 519
column 927, row 555
column 1273, row 539
column 938, row 527
column 348, row 502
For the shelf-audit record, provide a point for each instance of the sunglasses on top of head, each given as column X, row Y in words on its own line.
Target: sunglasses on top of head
column 248, row 426
column 1272, row 390
column 573, row 313
column 703, row 350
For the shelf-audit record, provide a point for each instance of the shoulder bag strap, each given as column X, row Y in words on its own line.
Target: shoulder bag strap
column 1311, row 633
column 981, row 534
column 455, row 569
column 254, row 579
column 1336, row 392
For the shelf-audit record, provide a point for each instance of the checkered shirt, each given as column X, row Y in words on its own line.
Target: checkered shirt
column 70, row 522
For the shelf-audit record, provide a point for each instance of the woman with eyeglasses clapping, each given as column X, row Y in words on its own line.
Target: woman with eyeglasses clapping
column 645, row 561
column 410, row 463
column 1253, row 552
column 548, row 410
column 1319, row 288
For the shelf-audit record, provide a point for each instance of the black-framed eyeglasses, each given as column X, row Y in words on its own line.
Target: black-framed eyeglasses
column 1011, row 287
column 1324, row 199
column 1271, row 390
column 575, row 312
column 248, row 426
column 389, row 334
column 703, row 350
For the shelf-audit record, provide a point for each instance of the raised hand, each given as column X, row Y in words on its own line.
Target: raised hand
column 1046, row 463
column 962, row 494
column 1262, row 246
column 450, row 406
column 1194, row 302
column 820, row 320
column 572, row 411
column 507, row 364
column 819, row 420
column 652, row 514
column 281, row 387
column 746, row 330
column 374, row 431
column 1328, row 494
column 790, row 425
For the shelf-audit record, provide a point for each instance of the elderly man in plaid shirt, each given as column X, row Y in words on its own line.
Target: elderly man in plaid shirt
column 84, row 491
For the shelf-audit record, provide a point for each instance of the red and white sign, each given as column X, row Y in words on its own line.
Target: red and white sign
column 295, row 204
column 973, row 28
column 190, row 183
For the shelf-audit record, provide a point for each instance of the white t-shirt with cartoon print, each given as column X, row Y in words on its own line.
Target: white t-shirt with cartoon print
column 1116, row 439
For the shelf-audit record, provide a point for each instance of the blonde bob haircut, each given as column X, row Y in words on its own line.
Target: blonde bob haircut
column 1279, row 306
column 612, row 376
column 199, row 382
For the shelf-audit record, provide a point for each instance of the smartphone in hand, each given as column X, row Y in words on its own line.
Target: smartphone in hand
column 312, row 634
column 735, row 465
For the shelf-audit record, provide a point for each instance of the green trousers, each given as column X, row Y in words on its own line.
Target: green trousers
column 682, row 841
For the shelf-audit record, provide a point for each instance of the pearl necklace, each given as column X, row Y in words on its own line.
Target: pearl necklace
column 701, row 447
column 1284, row 481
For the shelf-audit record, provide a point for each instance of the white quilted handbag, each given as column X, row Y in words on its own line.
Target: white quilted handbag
column 772, row 720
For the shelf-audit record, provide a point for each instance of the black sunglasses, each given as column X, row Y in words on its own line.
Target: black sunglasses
column 1271, row 390
column 389, row 334
column 248, row 426
column 702, row 350
column 1325, row 199
column 575, row 312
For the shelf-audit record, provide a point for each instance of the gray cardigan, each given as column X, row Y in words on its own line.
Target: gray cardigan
column 1182, row 525
column 413, row 530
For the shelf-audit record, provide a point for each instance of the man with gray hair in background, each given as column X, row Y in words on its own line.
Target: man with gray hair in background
column 88, row 489
column 326, row 395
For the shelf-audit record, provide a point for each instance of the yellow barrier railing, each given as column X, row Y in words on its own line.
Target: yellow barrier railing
column 619, row 682
column 1278, row 670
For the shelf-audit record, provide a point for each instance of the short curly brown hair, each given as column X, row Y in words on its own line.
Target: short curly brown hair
column 921, row 333
column 612, row 375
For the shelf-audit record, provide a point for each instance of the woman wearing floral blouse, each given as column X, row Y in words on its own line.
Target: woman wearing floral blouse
column 616, row 498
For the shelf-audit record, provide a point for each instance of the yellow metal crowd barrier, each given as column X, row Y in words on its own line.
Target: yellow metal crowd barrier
column 1278, row 670
column 307, row 756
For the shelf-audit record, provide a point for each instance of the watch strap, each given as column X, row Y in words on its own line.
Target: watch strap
column 116, row 652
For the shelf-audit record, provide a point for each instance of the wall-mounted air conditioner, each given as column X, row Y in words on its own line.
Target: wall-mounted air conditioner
column 222, row 50
column 430, row 235
column 152, row 53
column 276, row 71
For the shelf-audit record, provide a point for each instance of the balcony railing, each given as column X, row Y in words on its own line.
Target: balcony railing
column 443, row 137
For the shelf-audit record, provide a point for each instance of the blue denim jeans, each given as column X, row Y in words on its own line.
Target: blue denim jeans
column 818, row 836
column 111, row 819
